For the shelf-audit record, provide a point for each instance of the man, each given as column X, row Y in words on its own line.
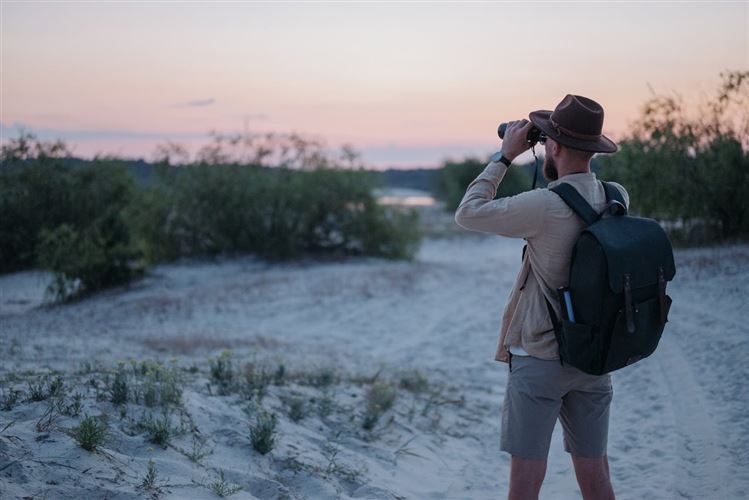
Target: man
column 539, row 388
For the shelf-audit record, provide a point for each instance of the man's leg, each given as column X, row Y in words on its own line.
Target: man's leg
column 585, row 420
column 531, row 407
column 526, row 477
column 593, row 477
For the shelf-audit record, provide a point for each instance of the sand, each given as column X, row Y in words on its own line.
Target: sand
column 679, row 420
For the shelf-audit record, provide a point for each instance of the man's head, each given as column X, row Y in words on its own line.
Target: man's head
column 557, row 153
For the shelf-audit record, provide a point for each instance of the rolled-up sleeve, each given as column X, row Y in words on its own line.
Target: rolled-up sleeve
column 519, row 216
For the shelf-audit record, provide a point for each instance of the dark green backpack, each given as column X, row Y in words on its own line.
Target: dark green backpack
column 617, row 286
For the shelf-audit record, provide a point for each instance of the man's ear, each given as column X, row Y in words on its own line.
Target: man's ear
column 555, row 148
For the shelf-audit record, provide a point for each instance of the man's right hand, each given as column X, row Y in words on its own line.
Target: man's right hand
column 516, row 138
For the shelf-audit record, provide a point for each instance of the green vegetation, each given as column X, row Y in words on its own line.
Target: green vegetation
column 96, row 225
column 455, row 176
column 90, row 433
column 149, row 480
column 221, row 488
column 380, row 398
column 690, row 169
column 158, row 431
column 119, row 391
column 263, row 432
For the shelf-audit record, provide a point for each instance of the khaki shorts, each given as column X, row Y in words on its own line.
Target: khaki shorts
column 540, row 391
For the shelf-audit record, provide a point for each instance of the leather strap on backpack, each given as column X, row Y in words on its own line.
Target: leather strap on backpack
column 662, row 294
column 628, row 306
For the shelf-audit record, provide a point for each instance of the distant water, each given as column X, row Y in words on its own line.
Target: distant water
column 404, row 197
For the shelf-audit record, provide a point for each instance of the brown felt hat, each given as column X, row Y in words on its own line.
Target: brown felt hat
column 576, row 122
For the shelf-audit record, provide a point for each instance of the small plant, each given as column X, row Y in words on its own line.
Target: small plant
column 118, row 391
column 158, row 431
column 325, row 404
column 149, row 481
column 256, row 382
column 335, row 467
column 414, row 381
column 263, row 432
column 221, row 488
column 91, row 433
column 74, row 408
column 222, row 372
column 380, row 398
column 197, row 453
column 161, row 385
column 37, row 391
column 9, row 399
column 322, row 377
column 297, row 410
column 55, row 387
column 55, row 407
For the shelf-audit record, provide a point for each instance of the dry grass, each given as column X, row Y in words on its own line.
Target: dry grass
column 208, row 342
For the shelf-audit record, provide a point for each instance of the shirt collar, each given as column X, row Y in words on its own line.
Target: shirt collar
column 580, row 177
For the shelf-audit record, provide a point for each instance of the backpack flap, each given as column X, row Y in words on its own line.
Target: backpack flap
column 635, row 247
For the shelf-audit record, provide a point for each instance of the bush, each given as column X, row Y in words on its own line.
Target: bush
column 455, row 176
column 91, row 225
column 158, row 431
column 277, row 213
column 263, row 433
column 65, row 216
column 90, row 433
column 690, row 170
column 380, row 398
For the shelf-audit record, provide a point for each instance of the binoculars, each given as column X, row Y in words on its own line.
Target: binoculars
column 534, row 134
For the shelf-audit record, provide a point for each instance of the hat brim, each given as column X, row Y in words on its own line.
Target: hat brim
column 542, row 120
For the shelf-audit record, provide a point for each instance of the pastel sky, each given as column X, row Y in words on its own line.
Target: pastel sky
column 405, row 84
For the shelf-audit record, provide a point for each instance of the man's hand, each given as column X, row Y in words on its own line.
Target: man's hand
column 516, row 138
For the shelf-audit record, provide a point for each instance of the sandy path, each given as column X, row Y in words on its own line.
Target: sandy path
column 679, row 422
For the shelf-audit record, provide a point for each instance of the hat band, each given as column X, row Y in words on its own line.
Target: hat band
column 561, row 130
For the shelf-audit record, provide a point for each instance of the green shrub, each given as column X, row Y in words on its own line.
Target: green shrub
column 119, row 389
column 94, row 227
column 691, row 170
column 158, row 431
column 277, row 213
column 221, row 488
column 414, row 381
column 256, row 381
column 455, row 176
column 297, row 410
column 90, row 433
column 149, row 480
column 67, row 216
column 160, row 385
column 222, row 372
column 263, row 432
column 380, row 398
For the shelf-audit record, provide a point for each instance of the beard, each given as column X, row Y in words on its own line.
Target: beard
column 550, row 169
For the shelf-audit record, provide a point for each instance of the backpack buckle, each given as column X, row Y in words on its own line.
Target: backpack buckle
column 615, row 208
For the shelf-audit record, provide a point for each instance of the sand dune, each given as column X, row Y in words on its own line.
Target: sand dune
column 342, row 331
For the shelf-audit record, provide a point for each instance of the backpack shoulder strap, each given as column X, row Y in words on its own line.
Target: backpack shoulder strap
column 576, row 202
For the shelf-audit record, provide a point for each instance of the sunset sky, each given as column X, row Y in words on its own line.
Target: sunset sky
column 405, row 84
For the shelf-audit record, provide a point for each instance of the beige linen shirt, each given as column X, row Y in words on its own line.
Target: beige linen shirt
column 550, row 229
